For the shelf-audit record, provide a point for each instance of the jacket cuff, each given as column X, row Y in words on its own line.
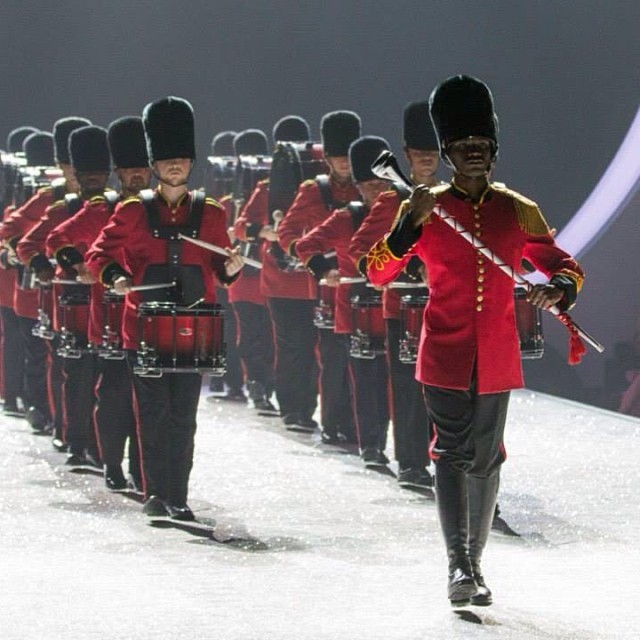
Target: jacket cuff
column 318, row 265
column 362, row 265
column 39, row 262
column 252, row 230
column 68, row 257
column 111, row 273
column 226, row 280
column 403, row 236
column 570, row 288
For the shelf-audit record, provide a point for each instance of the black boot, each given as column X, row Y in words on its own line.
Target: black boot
column 483, row 493
column 452, row 500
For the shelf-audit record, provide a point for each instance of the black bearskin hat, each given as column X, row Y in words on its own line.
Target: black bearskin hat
column 291, row 129
column 222, row 143
column 251, row 142
column 418, row 131
column 61, row 131
column 169, row 129
column 38, row 149
column 127, row 143
column 460, row 107
column 339, row 129
column 17, row 137
column 89, row 150
column 362, row 154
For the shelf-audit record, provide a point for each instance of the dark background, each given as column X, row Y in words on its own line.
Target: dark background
column 565, row 75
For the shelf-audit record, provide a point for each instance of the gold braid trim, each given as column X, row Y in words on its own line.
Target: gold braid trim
column 576, row 277
column 379, row 255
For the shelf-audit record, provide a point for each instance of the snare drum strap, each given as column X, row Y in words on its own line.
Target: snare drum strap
column 170, row 232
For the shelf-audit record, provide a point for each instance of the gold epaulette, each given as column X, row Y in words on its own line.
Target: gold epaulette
column 264, row 181
column 439, row 189
column 212, row 201
column 308, row 183
column 57, row 204
column 97, row 199
column 131, row 199
column 404, row 206
column 530, row 217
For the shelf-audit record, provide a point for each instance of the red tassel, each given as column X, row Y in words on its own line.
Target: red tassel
column 576, row 346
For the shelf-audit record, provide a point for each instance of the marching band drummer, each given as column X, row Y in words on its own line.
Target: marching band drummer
column 409, row 417
column 140, row 246
column 369, row 377
column 68, row 243
column 469, row 354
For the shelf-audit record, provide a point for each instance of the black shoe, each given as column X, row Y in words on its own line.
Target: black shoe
column 290, row 418
column 59, row 444
column 154, row 507
column 13, row 411
column 331, row 436
column 234, row 395
column 373, row 457
column 461, row 587
column 114, row 479
column 484, row 597
column 264, row 404
column 37, row 420
column 76, row 461
column 183, row 513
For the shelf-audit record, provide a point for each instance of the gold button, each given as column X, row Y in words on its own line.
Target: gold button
column 478, row 234
column 476, row 216
column 479, row 307
column 476, row 225
column 480, row 298
column 475, row 207
column 480, row 278
column 480, row 288
column 481, row 270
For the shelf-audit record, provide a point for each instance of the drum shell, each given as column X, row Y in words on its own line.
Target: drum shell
column 367, row 316
column 73, row 315
column 325, row 309
column 529, row 325
column 113, row 309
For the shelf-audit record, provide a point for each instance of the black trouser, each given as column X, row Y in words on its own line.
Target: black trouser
column 114, row 416
column 468, row 428
column 233, row 376
column 35, row 368
column 166, row 413
column 411, row 432
column 255, row 343
column 296, row 364
column 78, row 392
column 12, row 356
column 371, row 400
column 336, row 405
column 55, row 381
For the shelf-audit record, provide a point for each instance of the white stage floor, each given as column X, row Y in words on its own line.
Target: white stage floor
column 331, row 552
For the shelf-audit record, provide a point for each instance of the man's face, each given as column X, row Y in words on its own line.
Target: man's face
column 135, row 179
column 423, row 163
column 174, row 172
column 371, row 189
column 471, row 156
column 92, row 182
column 340, row 167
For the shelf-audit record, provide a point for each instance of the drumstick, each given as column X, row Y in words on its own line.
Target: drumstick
column 146, row 287
column 216, row 249
column 357, row 280
column 72, row 282
column 406, row 285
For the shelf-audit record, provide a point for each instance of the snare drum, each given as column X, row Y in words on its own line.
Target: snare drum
column 411, row 315
column 367, row 339
column 529, row 323
column 42, row 329
column 324, row 312
column 179, row 339
column 112, row 310
column 73, row 317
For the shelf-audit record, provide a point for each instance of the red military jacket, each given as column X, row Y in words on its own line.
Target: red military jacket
column 334, row 233
column 17, row 225
column 308, row 210
column 127, row 246
column 469, row 320
column 247, row 286
column 7, row 276
column 274, row 282
column 68, row 244
column 377, row 223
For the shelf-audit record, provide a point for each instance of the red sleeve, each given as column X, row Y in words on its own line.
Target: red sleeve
column 108, row 248
column 325, row 236
column 254, row 214
column 378, row 222
column 214, row 231
column 299, row 219
column 26, row 217
column 34, row 242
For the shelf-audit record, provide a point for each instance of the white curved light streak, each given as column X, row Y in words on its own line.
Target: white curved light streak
column 609, row 197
